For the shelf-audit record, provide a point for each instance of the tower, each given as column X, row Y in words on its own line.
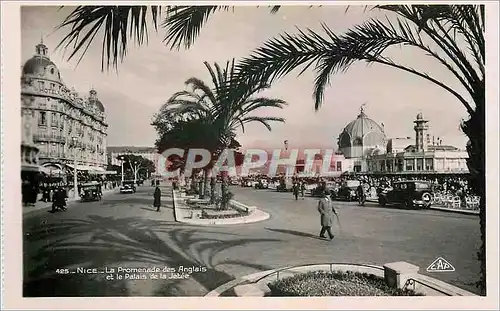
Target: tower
column 93, row 95
column 420, row 128
column 41, row 49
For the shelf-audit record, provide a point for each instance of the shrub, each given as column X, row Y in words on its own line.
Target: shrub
column 319, row 283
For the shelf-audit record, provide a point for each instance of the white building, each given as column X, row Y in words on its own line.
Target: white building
column 58, row 121
column 422, row 156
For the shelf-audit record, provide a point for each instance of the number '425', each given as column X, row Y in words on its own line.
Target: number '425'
column 62, row 271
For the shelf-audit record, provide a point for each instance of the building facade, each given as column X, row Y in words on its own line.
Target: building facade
column 423, row 156
column 58, row 121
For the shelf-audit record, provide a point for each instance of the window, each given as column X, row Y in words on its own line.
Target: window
column 339, row 166
column 52, row 72
column 420, row 164
column 41, row 85
column 389, row 166
column 54, row 120
column 53, row 149
column 409, row 164
column 429, row 165
column 357, row 142
column 382, row 165
column 422, row 186
column 42, row 119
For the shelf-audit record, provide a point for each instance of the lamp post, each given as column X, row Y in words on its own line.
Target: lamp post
column 121, row 161
column 135, row 172
column 75, row 174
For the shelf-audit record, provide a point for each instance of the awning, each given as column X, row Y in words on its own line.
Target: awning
column 79, row 167
column 31, row 168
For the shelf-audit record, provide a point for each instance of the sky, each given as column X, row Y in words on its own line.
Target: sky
column 150, row 74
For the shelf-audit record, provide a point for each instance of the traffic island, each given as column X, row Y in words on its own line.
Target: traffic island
column 189, row 209
column 339, row 279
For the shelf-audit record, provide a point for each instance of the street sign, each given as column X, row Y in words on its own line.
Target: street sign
column 440, row 265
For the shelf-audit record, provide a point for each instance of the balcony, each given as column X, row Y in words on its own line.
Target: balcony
column 55, row 138
column 56, row 155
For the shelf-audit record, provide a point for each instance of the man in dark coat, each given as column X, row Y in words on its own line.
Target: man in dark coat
column 295, row 189
column 59, row 200
column 327, row 212
column 157, row 198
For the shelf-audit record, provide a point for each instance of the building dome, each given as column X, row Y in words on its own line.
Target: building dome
column 361, row 136
column 420, row 116
column 40, row 64
column 362, row 132
column 94, row 100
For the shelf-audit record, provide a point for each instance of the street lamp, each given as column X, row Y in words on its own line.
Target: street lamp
column 121, row 161
column 75, row 175
column 135, row 172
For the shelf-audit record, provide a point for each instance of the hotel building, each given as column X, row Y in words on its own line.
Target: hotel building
column 57, row 123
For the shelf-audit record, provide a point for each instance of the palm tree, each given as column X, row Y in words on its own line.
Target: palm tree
column 121, row 25
column 451, row 34
column 225, row 107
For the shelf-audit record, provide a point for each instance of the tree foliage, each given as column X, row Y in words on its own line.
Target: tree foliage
column 122, row 25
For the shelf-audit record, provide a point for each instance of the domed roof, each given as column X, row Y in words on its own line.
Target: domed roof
column 39, row 63
column 420, row 116
column 362, row 132
column 95, row 100
column 35, row 63
column 99, row 105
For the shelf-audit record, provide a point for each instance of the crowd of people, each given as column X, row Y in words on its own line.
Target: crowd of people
column 442, row 185
column 47, row 189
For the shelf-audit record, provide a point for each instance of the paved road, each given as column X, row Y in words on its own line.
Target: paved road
column 125, row 231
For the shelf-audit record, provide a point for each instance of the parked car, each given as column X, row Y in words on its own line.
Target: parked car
column 262, row 184
column 128, row 186
column 409, row 193
column 348, row 189
column 285, row 185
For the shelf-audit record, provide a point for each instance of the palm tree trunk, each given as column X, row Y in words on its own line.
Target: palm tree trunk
column 212, row 189
column 224, row 191
column 205, row 191
column 474, row 128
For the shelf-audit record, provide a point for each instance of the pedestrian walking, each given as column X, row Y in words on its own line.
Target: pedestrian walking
column 59, row 199
column 302, row 189
column 157, row 198
column 295, row 189
column 327, row 212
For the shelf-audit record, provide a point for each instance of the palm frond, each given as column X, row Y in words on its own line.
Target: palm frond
column 263, row 120
column 183, row 24
column 333, row 54
column 279, row 56
column 118, row 24
column 198, row 85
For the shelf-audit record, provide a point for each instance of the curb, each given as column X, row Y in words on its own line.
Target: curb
column 456, row 211
column 257, row 216
column 259, row 279
column 445, row 209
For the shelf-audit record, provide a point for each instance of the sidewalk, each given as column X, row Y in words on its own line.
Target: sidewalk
column 443, row 209
column 40, row 205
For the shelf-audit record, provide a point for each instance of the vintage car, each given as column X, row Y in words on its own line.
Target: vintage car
column 128, row 186
column 348, row 189
column 90, row 191
column 285, row 185
column 262, row 184
column 410, row 194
